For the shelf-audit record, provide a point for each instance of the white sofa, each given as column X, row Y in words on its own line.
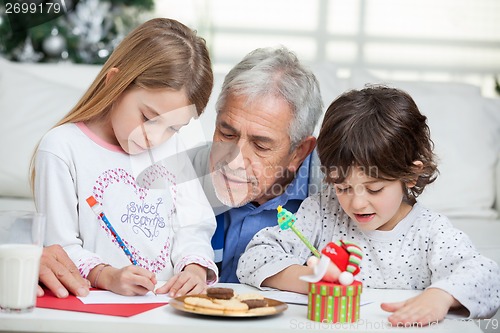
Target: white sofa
column 464, row 125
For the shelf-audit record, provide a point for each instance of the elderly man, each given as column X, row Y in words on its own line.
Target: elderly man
column 262, row 152
column 261, row 157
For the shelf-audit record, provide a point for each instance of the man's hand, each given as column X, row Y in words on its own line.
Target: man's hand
column 59, row 274
column 430, row 306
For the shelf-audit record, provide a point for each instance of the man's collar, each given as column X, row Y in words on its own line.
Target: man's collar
column 299, row 187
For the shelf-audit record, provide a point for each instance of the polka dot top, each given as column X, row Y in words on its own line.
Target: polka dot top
column 423, row 250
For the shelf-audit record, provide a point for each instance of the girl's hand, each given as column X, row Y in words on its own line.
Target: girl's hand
column 430, row 306
column 192, row 280
column 129, row 281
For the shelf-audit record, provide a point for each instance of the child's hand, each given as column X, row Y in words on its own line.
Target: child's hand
column 430, row 306
column 192, row 280
column 129, row 281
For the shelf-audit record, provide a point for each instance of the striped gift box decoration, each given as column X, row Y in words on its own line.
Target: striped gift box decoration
column 335, row 303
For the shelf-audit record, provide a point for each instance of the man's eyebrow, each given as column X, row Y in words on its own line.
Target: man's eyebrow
column 227, row 126
column 259, row 138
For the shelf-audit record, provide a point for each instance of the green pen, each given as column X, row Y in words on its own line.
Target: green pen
column 286, row 221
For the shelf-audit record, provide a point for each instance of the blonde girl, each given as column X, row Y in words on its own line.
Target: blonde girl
column 156, row 80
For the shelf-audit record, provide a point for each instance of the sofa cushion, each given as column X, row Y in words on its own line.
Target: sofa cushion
column 493, row 113
column 29, row 106
column 466, row 137
column 483, row 233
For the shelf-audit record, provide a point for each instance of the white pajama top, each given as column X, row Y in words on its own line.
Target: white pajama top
column 423, row 250
column 156, row 205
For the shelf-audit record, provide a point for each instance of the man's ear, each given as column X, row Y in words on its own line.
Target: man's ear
column 301, row 152
column 110, row 74
column 418, row 166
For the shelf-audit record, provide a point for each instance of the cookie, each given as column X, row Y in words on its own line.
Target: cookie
column 255, row 303
column 220, row 293
column 232, row 305
column 200, row 302
column 243, row 297
column 203, row 310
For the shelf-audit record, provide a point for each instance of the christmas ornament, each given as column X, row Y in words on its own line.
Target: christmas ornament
column 54, row 45
column 87, row 32
column 26, row 52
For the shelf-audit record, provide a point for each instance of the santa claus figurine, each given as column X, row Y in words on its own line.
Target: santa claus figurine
column 339, row 263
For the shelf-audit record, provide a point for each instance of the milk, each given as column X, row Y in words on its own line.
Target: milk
column 19, row 265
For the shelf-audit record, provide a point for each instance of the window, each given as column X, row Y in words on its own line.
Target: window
column 456, row 40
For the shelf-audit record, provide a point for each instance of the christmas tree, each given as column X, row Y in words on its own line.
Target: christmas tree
column 80, row 31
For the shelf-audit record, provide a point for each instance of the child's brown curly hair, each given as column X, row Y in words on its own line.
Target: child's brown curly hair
column 381, row 130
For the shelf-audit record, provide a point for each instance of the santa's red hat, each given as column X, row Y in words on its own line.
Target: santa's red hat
column 346, row 256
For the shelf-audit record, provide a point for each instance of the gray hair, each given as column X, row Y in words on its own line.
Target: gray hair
column 278, row 72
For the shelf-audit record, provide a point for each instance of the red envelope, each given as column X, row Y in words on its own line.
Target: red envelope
column 72, row 303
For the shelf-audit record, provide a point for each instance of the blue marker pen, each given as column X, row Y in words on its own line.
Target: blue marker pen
column 100, row 214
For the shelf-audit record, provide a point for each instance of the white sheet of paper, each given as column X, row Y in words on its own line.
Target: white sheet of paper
column 108, row 297
column 285, row 296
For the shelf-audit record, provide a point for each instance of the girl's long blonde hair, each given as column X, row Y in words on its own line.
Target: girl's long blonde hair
column 160, row 53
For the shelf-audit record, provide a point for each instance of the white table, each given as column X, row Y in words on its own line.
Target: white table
column 167, row 319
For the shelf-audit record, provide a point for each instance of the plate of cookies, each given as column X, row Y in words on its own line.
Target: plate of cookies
column 226, row 303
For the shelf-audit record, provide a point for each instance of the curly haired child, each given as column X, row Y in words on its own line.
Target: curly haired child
column 376, row 151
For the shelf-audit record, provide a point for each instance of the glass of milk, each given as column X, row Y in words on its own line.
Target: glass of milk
column 21, row 244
